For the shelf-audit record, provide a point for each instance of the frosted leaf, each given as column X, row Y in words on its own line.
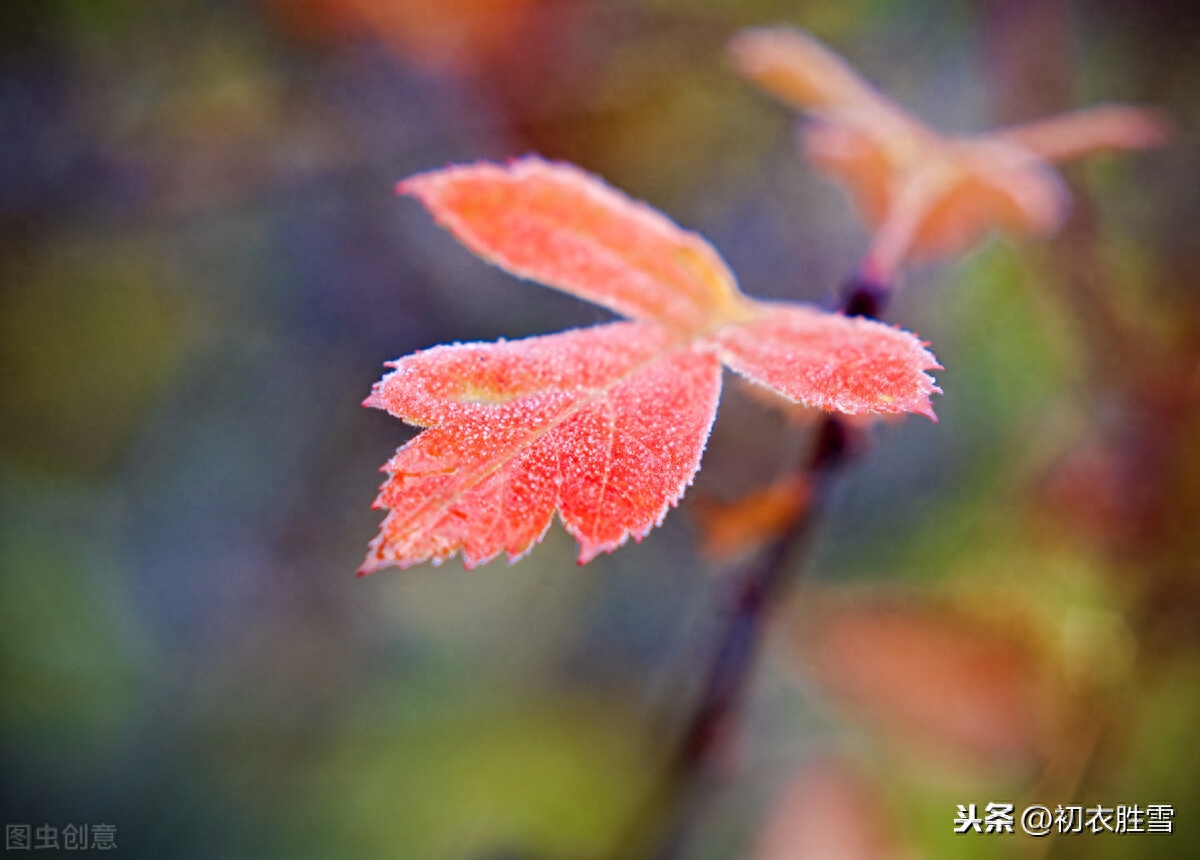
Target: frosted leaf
column 605, row 425
column 845, row 364
column 562, row 227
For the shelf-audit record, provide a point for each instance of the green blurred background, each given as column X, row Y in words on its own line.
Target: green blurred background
column 203, row 268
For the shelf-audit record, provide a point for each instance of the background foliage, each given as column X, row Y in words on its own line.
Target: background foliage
column 203, row 268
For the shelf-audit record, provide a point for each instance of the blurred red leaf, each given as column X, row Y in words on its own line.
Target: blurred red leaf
column 732, row 529
column 973, row 688
column 926, row 194
column 604, row 425
column 829, row 811
column 454, row 36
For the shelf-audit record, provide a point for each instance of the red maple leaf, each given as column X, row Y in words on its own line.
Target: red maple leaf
column 604, row 425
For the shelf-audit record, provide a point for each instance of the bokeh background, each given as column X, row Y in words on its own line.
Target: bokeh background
column 203, row 268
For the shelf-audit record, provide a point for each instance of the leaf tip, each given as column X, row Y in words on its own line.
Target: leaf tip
column 370, row 564
column 589, row 550
column 757, row 51
column 412, row 186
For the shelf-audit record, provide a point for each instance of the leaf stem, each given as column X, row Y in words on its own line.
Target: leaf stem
column 894, row 238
